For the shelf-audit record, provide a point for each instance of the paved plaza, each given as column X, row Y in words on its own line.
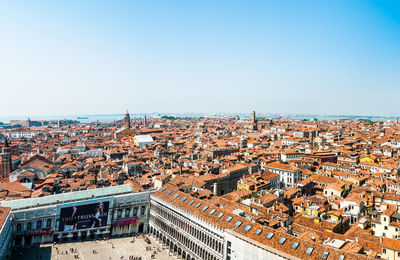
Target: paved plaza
column 115, row 249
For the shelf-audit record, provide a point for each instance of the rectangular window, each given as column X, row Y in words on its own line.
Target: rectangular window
column 247, row 228
column 324, row 255
column 309, row 250
column 295, row 245
column 238, row 223
column 270, row 235
column 282, row 240
column 228, row 219
column 220, row 215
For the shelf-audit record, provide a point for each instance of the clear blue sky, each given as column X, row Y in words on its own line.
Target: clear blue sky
column 92, row 57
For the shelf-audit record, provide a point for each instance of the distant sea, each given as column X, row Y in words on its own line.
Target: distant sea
column 115, row 117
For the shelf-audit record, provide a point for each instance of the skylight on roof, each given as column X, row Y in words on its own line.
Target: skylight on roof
column 162, row 189
column 191, row 202
column 212, row 211
column 238, row 223
column 341, row 257
column 220, row 215
column 198, row 204
column 228, row 219
column 247, row 228
column 183, row 199
column 169, row 192
column 324, row 255
column 309, row 250
column 270, row 235
column 204, row 208
column 282, row 240
column 295, row 245
column 258, row 231
column 176, row 196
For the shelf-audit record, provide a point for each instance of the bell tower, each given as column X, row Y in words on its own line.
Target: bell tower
column 253, row 121
column 5, row 159
column 127, row 120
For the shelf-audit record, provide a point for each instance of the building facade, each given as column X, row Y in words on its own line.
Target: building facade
column 186, row 236
column 29, row 134
column 288, row 175
column 89, row 214
column 5, row 232
column 192, row 228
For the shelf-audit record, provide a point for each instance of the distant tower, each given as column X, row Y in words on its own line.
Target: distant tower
column 5, row 159
column 243, row 142
column 253, row 121
column 145, row 120
column 127, row 120
column 396, row 121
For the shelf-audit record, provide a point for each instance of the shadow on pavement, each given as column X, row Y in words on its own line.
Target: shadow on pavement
column 36, row 252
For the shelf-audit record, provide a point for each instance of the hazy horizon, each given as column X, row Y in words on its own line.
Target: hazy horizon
column 87, row 118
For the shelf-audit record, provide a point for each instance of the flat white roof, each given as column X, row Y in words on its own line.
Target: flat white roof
column 67, row 197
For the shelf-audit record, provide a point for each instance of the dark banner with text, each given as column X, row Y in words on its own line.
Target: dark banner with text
column 84, row 216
